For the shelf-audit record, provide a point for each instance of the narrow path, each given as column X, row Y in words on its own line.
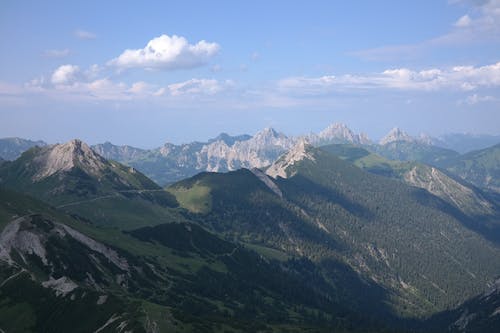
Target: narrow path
column 12, row 277
column 111, row 195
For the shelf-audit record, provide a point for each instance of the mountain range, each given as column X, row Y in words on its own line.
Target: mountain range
column 171, row 162
column 317, row 239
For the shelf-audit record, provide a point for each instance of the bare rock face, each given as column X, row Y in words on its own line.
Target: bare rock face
column 62, row 286
column 396, row 134
column 445, row 187
column 337, row 133
column 257, row 152
column 32, row 236
column 29, row 238
column 298, row 153
column 64, row 157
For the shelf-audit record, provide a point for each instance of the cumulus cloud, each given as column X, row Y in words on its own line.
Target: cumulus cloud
column 65, row 74
column 83, row 34
column 106, row 89
column 165, row 52
column 69, row 82
column 462, row 78
column 56, row 53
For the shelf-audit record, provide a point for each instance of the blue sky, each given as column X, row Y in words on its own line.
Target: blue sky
column 143, row 73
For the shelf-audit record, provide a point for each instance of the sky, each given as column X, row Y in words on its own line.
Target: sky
column 148, row 72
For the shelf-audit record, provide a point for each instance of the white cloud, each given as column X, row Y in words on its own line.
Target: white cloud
column 105, row 89
column 93, row 71
column 463, row 22
column 197, row 86
column 36, row 84
column 56, row 53
column 65, row 74
column 475, row 99
column 69, row 82
column 102, row 89
column 141, row 87
column 167, row 52
column 83, row 34
column 461, row 78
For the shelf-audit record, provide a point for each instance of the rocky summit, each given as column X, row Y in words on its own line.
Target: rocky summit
column 64, row 157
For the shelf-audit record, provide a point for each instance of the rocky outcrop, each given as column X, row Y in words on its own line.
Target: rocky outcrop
column 64, row 157
column 448, row 189
column 396, row 134
column 298, row 153
column 34, row 236
column 259, row 151
column 337, row 133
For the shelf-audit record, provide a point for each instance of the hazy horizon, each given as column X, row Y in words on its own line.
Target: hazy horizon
column 374, row 139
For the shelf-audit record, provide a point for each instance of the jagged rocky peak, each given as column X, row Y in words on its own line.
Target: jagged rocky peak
column 301, row 151
column 396, row 134
column 268, row 134
column 269, row 138
column 338, row 131
column 64, row 157
column 268, row 131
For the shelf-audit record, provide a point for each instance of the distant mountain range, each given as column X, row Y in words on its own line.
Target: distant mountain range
column 317, row 239
column 171, row 162
column 224, row 153
column 12, row 148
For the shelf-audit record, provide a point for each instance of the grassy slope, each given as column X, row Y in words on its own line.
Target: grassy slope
column 196, row 198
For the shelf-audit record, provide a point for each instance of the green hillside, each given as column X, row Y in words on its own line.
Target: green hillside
column 480, row 167
column 414, row 151
column 454, row 190
column 392, row 234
